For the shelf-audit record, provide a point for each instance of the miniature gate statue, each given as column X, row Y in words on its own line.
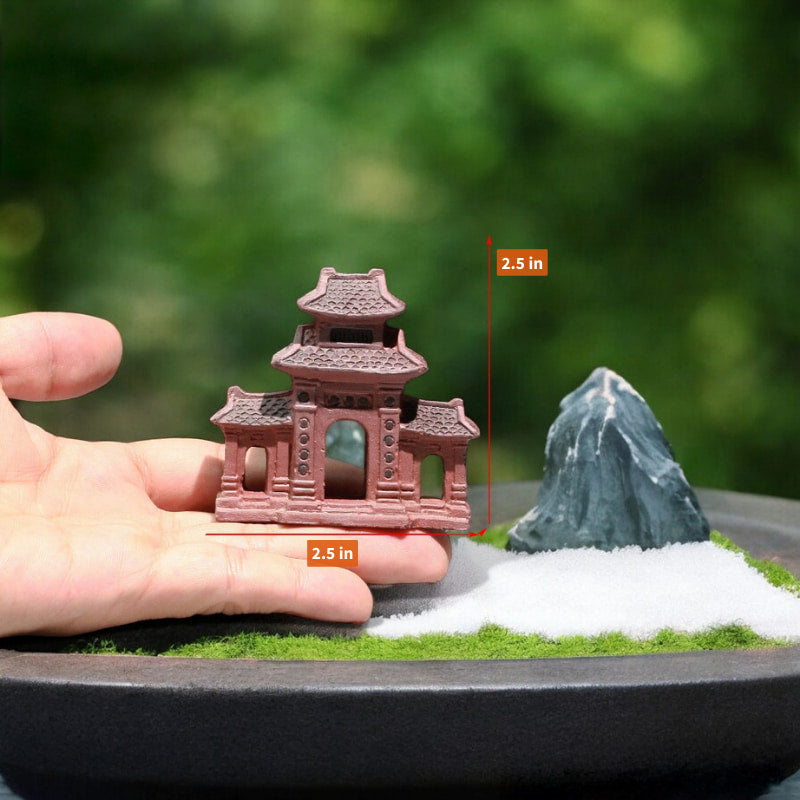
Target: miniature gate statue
column 348, row 364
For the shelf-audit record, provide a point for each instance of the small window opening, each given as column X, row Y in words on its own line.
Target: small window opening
column 255, row 470
column 431, row 477
column 351, row 335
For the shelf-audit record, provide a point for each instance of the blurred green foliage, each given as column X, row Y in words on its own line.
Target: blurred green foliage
column 184, row 169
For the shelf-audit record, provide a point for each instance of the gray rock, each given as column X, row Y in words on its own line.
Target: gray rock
column 611, row 478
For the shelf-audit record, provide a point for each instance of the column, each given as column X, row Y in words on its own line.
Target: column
column 304, row 469
column 387, row 445
column 233, row 468
column 455, row 483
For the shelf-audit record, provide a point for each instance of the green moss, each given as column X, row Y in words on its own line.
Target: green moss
column 776, row 574
column 496, row 535
column 107, row 647
column 491, row 642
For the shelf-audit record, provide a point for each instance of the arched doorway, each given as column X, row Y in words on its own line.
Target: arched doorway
column 345, row 457
column 254, row 478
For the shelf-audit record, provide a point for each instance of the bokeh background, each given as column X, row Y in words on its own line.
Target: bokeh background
column 184, row 169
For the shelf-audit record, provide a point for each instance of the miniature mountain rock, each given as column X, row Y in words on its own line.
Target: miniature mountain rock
column 611, row 478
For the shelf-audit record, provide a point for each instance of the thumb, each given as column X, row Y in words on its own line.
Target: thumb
column 56, row 355
column 47, row 356
column 20, row 458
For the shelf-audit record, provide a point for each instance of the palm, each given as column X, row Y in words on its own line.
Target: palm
column 80, row 538
column 94, row 534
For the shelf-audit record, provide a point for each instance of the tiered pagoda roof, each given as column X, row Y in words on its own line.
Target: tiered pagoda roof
column 362, row 296
column 342, row 300
column 364, row 359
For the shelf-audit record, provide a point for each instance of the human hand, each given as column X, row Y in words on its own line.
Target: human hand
column 96, row 534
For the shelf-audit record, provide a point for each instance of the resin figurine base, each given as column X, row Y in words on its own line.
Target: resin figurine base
column 367, row 515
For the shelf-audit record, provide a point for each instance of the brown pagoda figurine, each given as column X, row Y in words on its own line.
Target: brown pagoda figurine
column 347, row 367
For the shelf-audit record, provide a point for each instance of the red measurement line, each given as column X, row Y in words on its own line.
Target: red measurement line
column 489, row 384
column 352, row 533
column 488, row 440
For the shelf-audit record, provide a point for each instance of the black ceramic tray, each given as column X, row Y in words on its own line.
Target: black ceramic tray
column 414, row 724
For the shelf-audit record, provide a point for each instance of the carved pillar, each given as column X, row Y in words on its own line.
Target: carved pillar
column 280, row 480
column 241, row 462
column 231, row 478
column 456, row 485
column 388, row 453
column 306, row 453
column 406, row 461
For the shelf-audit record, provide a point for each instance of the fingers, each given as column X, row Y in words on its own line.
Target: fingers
column 383, row 556
column 180, row 474
column 56, row 355
column 211, row 578
column 181, row 581
column 47, row 356
column 343, row 480
column 185, row 474
column 25, row 449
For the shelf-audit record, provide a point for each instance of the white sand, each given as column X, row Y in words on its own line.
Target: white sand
column 686, row 587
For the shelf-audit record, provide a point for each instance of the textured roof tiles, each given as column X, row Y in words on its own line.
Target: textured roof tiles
column 377, row 360
column 438, row 419
column 352, row 296
column 245, row 408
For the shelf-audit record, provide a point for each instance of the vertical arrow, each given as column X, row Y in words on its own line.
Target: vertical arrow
column 489, row 383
